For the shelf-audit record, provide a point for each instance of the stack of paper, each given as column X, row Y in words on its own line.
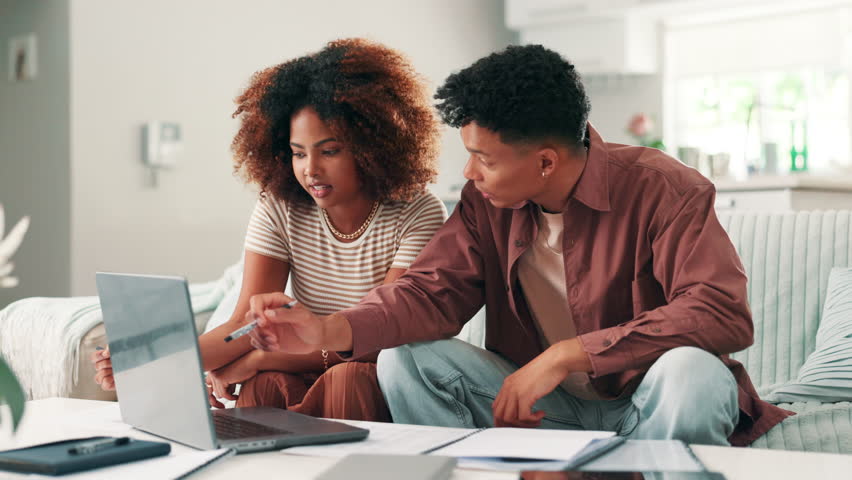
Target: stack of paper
column 512, row 449
column 491, row 448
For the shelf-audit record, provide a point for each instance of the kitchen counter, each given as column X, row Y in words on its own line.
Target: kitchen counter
column 786, row 182
column 785, row 193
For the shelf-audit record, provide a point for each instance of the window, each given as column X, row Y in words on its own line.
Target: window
column 770, row 121
column 761, row 86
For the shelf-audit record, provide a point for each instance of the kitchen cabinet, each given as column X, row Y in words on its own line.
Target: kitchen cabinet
column 597, row 37
column 785, row 193
column 624, row 45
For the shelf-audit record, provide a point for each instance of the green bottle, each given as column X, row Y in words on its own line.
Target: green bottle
column 798, row 158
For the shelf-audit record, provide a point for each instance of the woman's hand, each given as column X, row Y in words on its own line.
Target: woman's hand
column 211, row 395
column 103, row 369
column 222, row 382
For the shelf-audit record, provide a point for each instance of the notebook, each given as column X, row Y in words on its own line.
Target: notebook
column 67, row 456
column 160, row 383
column 173, row 466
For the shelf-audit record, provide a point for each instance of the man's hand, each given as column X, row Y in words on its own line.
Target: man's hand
column 514, row 403
column 295, row 329
column 222, row 382
column 103, row 369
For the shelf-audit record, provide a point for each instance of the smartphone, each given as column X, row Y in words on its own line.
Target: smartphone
column 541, row 475
column 390, row 467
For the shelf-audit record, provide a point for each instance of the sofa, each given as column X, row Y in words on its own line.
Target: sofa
column 788, row 258
column 48, row 342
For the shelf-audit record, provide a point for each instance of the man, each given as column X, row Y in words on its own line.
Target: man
column 613, row 295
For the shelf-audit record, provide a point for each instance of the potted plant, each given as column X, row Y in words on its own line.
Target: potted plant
column 8, row 244
column 640, row 128
column 11, row 393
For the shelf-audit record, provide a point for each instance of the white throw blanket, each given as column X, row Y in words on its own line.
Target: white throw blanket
column 39, row 337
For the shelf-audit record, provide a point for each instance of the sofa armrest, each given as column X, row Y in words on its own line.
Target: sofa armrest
column 85, row 386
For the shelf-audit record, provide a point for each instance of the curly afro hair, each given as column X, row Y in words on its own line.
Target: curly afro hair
column 524, row 93
column 368, row 95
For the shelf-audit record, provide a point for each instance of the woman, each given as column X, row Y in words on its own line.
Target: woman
column 342, row 144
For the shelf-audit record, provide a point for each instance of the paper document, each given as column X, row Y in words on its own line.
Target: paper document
column 519, row 449
column 490, row 448
column 523, row 443
column 387, row 438
column 106, row 418
column 647, row 455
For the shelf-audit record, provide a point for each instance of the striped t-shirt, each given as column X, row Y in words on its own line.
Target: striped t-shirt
column 327, row 275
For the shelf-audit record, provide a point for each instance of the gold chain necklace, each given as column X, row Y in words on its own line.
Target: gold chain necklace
column 356, row 233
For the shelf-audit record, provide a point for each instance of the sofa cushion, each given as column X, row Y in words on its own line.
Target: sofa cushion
column 788, row 257
column 816, row 427
column 826, row 375
column 225, row 308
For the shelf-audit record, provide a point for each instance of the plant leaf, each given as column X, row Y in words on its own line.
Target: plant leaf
column 11, row 393
column 9, row 244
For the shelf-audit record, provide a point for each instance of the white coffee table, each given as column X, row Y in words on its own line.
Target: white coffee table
column 56, row 418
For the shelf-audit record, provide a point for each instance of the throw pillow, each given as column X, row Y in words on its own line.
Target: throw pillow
column 225, row 308
column 826, row 375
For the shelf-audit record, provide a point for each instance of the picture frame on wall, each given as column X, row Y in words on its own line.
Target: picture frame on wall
column 23, row 61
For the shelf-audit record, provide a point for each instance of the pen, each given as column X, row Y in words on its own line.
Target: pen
column 595, row 449
column 97, row 445
column 250, row 326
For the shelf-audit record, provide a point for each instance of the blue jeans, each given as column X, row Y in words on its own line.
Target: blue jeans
column 688, row 394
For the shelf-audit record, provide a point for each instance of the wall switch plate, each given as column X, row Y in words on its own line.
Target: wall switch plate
column 23, row 62
column 161, row 144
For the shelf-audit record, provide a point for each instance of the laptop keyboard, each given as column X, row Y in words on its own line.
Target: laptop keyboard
column 230, row 428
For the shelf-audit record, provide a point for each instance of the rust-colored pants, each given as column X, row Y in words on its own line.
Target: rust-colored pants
column 347, row 391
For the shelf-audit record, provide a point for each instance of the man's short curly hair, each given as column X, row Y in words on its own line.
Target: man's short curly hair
column 371, row 99
column 524, row 93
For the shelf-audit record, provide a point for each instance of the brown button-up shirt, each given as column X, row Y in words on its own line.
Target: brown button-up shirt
column 648, row 268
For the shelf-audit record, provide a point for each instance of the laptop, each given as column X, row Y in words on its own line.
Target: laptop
column 160, row 382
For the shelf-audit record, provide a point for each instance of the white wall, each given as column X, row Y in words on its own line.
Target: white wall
column 615, row 99
column 185, row 61
column 786, row 40
column 34, row 157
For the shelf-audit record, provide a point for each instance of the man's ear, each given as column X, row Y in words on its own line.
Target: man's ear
column 548, row 160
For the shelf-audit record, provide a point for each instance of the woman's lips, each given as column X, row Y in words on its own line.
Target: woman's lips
column 320, row 190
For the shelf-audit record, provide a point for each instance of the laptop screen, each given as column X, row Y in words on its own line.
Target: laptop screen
column 155, row 356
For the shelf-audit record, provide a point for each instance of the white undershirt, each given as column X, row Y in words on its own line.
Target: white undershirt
column 541, row 270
